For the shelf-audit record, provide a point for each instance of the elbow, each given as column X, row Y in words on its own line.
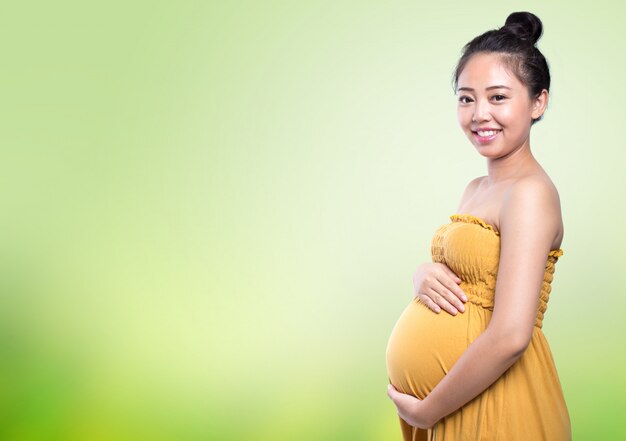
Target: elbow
column 519, row 344
column 511, row 342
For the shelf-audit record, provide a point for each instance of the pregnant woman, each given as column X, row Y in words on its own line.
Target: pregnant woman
column 486, row 372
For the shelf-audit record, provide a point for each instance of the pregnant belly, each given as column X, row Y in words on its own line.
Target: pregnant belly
column 424, row 345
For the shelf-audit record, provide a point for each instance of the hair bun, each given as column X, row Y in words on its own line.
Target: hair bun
column 524, row 25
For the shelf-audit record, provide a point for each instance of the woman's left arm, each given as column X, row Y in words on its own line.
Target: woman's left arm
column 529, row 222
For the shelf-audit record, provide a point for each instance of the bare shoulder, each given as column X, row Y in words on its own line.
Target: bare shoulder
column 475, row 183
column 532, row 203
column 471, row 188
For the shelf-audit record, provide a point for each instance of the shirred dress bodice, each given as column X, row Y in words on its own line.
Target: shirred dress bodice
column 471, row 248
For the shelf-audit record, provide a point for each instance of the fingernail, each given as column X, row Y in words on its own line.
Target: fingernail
column 464, row 298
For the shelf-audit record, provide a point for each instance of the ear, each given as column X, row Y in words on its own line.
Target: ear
column 539, row 104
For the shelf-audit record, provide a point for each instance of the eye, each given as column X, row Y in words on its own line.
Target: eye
column 464, row 97
column 501, row 97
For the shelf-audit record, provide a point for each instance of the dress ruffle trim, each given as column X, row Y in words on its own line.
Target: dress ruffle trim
column 471, row 219
column 556, row 253
column 468, row 218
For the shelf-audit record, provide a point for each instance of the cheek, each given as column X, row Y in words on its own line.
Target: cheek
column 514, row 116
column 463, row 116
column 506, row 115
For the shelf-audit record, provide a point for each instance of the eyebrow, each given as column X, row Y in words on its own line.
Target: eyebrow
column 488, row 88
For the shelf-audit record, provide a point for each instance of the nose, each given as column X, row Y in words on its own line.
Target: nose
column 481, row 111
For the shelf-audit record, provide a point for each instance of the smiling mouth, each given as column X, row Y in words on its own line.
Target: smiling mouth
column 484, row 136
column 486, row 133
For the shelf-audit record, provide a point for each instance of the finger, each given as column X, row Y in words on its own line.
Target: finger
column 428, row 302
column 456, row 289
column 457, row 296
column 391, row 391
column 397, row 396
column 440, row 300
column 450, row 297
column 454, row 286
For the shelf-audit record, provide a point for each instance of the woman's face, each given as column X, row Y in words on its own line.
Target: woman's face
column 494, row 109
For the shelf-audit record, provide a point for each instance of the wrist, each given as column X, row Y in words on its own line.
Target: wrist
column 427, row 413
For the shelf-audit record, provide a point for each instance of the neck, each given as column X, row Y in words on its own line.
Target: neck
column 519, row 162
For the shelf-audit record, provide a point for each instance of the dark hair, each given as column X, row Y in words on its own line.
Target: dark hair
column 516, row 41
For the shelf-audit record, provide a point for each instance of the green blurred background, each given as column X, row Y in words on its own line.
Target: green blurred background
column 211, row 212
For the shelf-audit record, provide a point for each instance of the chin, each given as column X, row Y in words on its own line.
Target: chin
column 487, row 151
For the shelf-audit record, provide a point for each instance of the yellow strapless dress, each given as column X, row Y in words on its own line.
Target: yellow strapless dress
column 526, row 403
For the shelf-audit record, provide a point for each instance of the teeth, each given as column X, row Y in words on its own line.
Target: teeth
column 487, row 133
